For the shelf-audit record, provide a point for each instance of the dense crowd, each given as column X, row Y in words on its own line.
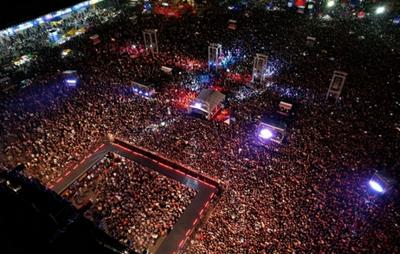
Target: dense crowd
column 47, row 34
column 132, row 203
column 309, row 195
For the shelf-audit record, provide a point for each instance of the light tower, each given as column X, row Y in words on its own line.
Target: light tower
column 150, row 41
column 259, row 67
column 214, row 56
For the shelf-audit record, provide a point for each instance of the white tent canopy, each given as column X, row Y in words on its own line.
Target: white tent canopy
column 208, row 102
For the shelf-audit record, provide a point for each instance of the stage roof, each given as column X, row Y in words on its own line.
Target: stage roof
column 210, row 96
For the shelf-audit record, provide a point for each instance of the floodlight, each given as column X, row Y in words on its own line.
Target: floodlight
column 380, row 10
column 71, row 81
column 376, row 186
column 380, row 183
column 330, row 3
column 265, row 134
column 197, row 105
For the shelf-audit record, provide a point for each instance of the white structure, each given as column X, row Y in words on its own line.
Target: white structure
column 150, row 41
column 259, row 67
column 166, row 70
column 285, row 108
column 336, row 86
column 214, row 55
column 207, row 104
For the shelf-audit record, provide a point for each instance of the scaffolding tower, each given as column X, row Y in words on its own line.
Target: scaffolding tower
column 214, row 56
column 150, row 41
column 336, row 86
column 259, row 67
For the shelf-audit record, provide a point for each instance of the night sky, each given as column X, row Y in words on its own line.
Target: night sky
column 17, row 11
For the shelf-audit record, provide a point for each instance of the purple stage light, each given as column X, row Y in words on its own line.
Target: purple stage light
column 71, row 81
column 376, row 186
column 396, row 20
column 197, row 105
column 265, row 134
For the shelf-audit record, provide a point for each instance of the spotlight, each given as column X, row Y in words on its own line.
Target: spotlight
column 380, row 10
column 376, row 186
column 380, row 183
column 330, row 3
column 265, row 134
column 71, row 81
column 197, row 105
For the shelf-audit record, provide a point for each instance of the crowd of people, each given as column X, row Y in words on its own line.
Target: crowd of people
column 307, row 195
column 134, row 204
column 47, row 34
